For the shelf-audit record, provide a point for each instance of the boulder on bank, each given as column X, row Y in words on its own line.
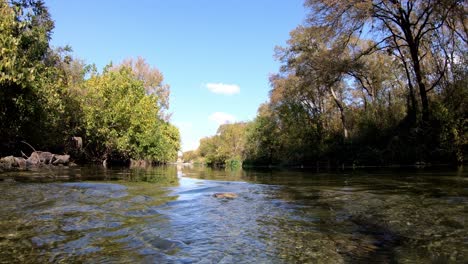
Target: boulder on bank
column 61, row 159
column 36, row 159
column 44, row 157
column 33, row 159
column 20, row 162
column 40, row 157
column 7, row 162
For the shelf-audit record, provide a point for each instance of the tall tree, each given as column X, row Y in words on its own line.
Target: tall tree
column 30, row 87
column 152, row 80
column 320, row 62
column 405, row 28
column 121, row 121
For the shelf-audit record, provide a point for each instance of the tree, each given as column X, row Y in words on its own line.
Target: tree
column 190, row 156
column 350, row 67
column 208, row 150
column 152, row 80
column 263, row 137
column 46, row 95
column 226, row 148
column 314, row 65
column 122, row 121
column 31, row 88
column 406, row 29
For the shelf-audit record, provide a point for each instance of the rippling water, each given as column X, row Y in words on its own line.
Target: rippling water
column 169, row 215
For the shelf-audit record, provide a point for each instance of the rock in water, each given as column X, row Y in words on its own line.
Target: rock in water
column 225, row 195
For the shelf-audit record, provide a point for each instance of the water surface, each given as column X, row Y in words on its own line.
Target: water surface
column 169, row 215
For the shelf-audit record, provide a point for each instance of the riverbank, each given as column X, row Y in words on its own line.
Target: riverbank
column 37, row 159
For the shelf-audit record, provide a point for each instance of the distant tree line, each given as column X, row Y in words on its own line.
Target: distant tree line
column 363, row 83
column 47, row 96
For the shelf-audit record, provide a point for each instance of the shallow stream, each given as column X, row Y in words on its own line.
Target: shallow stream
column 169, row 215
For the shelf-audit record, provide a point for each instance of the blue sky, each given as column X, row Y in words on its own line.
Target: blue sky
column 216, row 55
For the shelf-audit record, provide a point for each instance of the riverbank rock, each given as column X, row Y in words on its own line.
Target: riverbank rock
column 45, row 157
column 20, row 162
column 61, row 159
column 33, row 159
column 7, row 163
column 10, row 162
column 36, row 159
column 226, row 195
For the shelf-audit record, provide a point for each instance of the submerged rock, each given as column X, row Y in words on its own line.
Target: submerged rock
column 226, row 195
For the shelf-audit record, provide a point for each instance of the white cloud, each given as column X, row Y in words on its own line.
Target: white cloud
column 222, row 88
column 222, row 118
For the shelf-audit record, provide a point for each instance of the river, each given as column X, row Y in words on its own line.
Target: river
column 169, row 215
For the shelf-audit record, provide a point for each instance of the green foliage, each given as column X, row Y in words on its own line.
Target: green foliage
column 190, row 156
column 344, row 99
column 152, row 80
column 31, row 87
column 263, row 138
column 120, row 119
column 398, row 97
column 233, row 163
column 226, row 148
column 46, row 96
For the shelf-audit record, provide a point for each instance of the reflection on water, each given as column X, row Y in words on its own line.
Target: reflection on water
column 169, row 215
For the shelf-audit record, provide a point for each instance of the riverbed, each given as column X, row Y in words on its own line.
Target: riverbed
column 169, row 215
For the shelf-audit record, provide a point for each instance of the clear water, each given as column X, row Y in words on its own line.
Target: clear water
column 169, row 215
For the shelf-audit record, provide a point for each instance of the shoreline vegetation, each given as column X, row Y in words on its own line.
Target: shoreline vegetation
column 368, row 84
column 364, row 84
column 59, row 104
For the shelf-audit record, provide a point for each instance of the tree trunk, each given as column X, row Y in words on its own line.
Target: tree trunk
column 413, row 46
column 412, row 103
column 420, row 81
column 339, row 104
